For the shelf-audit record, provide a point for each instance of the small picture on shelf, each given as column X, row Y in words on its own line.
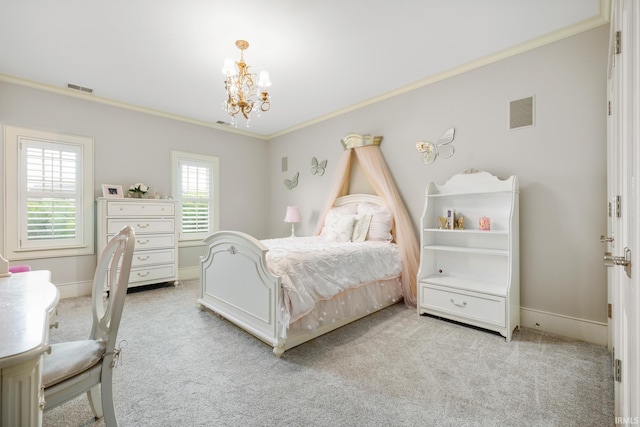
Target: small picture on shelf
column 451, row 219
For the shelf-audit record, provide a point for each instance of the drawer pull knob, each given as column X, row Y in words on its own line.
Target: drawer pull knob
column 143, row 226
column 146, row 273
column 140, row 242
column 463, row 305
column 143, row 258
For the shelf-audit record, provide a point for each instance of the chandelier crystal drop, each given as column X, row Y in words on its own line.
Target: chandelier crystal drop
column 246, row 92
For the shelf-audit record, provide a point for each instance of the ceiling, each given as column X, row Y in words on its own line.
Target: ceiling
column 324, row 57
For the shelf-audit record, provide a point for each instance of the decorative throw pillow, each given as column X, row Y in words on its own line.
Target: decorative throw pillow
column 380, row 227
column 337, row 212
column 339, row 228
column 361, row 227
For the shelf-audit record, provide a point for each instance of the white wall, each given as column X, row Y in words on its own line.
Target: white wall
column 134, row 147
column 560, row 162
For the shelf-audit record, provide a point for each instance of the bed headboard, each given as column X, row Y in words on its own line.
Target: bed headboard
column 358, row 198
column 382, row 224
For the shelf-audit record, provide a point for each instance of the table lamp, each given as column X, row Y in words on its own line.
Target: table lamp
column 292, row 216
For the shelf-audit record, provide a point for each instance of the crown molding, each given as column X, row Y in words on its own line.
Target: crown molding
column 589, row 24
column 602, row 19
column 106, row 101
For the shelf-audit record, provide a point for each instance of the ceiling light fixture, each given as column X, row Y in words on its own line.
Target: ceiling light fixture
column 242, row 94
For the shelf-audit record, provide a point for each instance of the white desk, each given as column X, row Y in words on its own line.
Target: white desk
column 27, row 307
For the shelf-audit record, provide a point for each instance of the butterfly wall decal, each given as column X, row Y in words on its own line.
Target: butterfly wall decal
column 318, row 168
column 441, row 148
column 293, row 182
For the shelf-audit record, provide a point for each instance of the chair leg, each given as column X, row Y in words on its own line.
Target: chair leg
column 110, row 419
column 95, row 401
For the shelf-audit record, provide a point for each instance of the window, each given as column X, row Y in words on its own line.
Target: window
column 195, row 185
column 49, row 194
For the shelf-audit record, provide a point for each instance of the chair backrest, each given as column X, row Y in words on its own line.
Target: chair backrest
column 113, row 269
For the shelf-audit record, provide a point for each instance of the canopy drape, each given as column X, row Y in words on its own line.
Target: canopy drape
column 378, row 174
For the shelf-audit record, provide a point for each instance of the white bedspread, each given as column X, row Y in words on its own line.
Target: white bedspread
column 313, row 269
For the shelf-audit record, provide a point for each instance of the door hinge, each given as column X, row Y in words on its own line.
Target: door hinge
column 617, row 370
column 617, row 206
column 609, row 108
column 609, row 310
column 618, row 42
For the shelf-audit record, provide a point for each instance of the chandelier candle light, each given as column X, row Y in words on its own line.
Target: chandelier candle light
column 292, row 216
column 242, row 95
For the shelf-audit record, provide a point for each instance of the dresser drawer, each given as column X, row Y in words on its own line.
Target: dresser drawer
column 156, row 273
column 152, row 241
column 140, row 209
column 142, row 225
column 163, row 256
column 480, row 307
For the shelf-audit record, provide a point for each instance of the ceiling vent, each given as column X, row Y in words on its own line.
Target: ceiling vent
column 80, row 88
column 521, row 113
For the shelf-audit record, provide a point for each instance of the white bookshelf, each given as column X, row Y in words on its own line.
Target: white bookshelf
column 471, row 275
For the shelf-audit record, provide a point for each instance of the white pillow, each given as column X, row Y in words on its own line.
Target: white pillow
column 339, row 228
column 380, row 227
column 336, row 212
column 361, row 227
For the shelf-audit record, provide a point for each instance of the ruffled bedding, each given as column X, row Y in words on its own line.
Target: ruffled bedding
column 313, row 269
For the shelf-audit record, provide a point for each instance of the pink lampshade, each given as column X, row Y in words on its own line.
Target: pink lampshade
column 293, row 214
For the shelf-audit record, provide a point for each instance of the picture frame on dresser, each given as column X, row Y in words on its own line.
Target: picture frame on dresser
column 111, row 191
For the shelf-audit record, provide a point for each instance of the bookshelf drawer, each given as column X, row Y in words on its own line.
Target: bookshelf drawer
column 460, row 304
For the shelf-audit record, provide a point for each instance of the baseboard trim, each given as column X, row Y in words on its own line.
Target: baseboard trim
column 75, row 289
column 189, row 273
column 567, row 326
column 80, row 289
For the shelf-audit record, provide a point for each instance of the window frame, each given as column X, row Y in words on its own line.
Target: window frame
column 213, row 163
column 15, row 198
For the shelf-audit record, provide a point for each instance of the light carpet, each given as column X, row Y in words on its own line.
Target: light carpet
column 184, row 367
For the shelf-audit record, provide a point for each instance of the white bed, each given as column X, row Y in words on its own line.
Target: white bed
column 280, row 291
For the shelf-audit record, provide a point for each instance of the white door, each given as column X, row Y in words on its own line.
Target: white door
column 623, row 238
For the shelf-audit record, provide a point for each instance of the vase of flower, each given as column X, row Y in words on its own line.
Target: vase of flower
column 138, row 190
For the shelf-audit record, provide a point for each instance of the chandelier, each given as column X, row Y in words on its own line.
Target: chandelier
column 242, row 94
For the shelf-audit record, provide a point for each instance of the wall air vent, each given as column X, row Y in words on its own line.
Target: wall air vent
column 521, row 113
column 80, row 88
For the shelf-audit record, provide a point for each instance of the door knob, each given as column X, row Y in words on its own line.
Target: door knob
column 625, row 261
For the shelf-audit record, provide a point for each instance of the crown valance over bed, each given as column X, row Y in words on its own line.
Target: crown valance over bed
column 366, row 149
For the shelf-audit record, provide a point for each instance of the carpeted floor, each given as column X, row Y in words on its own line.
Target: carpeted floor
column 184, row 367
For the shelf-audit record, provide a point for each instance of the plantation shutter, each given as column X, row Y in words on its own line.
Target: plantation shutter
column 196, row 197
column 51, row 194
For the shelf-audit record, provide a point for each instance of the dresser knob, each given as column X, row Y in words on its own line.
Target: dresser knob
column 463, row 304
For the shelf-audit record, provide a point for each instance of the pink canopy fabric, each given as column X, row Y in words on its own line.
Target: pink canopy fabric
column 379, row 176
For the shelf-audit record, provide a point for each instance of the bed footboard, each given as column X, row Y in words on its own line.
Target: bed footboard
column 236, row 284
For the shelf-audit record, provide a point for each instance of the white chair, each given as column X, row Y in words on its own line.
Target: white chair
column 73, row 368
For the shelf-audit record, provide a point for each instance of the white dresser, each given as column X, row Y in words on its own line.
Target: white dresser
column 471, row 274
column 155, row 259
